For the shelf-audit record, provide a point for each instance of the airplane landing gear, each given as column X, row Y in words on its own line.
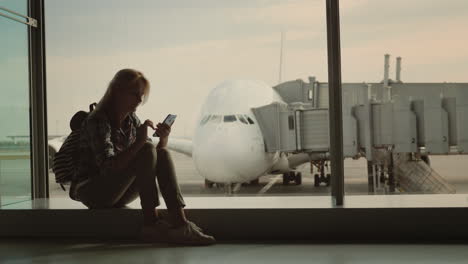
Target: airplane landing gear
column 320, row 176
column 292, row 176
column 255, row 182
column 298, row 178
column 209, row 184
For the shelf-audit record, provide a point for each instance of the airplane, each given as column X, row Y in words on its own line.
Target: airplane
column 228, row 145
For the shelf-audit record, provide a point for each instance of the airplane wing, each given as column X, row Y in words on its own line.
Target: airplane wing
column 181, row 145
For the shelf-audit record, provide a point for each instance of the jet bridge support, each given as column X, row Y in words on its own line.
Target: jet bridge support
column 418, row 119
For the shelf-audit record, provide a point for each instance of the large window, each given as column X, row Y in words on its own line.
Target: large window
column 209, row 62
column 15, row 139
column 404, row 132
column 409, row 111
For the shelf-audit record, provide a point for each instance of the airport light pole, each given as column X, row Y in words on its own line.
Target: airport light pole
column 335, row 101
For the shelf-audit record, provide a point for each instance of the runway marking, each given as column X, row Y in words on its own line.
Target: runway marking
column 269, row 185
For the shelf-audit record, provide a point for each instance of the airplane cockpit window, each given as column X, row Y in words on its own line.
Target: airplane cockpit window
column 230, row 118
column 216, row 119
column 205, row 119
column 242, row 119
column 249, row 119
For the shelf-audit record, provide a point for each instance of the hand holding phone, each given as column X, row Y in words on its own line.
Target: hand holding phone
column 169, row 120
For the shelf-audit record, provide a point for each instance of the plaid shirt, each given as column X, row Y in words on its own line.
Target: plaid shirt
column 100, row 143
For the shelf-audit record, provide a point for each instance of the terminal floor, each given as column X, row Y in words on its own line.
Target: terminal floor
column 115, row 252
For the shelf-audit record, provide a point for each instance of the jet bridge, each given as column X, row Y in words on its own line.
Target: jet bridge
column 380, row 120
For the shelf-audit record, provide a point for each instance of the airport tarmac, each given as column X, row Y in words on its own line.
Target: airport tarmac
column 453, row 168
column 15, row 180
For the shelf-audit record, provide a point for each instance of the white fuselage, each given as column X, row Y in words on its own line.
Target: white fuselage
column 227, row 146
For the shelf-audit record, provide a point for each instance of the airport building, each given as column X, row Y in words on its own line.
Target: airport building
column 308, row 130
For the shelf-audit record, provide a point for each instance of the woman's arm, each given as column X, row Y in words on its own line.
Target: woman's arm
column 122, row 160
column 163, row 131
column 102, row 146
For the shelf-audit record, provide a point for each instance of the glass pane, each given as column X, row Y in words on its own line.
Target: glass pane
column 231, row 54
column 15, row 169
column 405, row 113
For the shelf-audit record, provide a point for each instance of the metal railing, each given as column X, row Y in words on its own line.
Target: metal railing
column 30, row 21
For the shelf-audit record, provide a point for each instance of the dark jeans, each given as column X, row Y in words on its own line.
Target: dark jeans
column 116, row 190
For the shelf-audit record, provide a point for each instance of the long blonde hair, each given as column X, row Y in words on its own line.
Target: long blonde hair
column 125, row 78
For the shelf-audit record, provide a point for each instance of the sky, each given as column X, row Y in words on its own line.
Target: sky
column 186, row 48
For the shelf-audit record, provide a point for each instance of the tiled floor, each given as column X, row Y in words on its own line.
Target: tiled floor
column 115, row 252
column 75, row 251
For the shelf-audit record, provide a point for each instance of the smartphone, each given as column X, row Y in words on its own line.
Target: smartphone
column 169, row 120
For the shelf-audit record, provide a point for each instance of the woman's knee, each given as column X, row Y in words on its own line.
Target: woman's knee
column 148, row 149
column 163, row 152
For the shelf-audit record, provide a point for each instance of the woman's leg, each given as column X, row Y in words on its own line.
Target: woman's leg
column 129, row 196
column 144, row 165
column 106, row 190
column 165, row 173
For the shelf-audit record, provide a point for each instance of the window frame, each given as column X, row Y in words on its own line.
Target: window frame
column 335, row 221
column 38, row 102
column 39, row 117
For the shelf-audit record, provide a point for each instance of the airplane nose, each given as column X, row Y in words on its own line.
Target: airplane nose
column 223, row 156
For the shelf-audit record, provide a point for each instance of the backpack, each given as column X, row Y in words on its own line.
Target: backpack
column 67, row 158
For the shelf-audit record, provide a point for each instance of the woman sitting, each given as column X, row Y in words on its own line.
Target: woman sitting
column 118, row 163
